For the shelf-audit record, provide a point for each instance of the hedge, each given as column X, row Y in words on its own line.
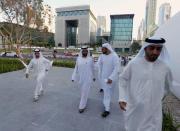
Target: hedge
column 64, row 64
column 8, row 65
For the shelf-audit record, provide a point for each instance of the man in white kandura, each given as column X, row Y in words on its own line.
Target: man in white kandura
column 108, row 64
column 84, row 73
column 39, row 66
column 143, row 84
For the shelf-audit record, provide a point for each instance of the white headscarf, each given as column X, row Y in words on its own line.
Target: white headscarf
column 40, row 53
column 80, row 53
column 108, row 46
column 164, row 56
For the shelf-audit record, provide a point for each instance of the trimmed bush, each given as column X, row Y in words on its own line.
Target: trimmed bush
column 8, row 65
column 64, row 64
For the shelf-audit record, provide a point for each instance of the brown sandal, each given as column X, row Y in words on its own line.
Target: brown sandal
column 81, row 110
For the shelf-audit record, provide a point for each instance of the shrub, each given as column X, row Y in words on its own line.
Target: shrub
column 59, row 45
column 8, row 65
column 64, row 64
column 168, row 121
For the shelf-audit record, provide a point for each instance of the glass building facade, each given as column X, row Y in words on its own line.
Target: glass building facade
column 71, row 32
column 93, row 30
column 150, row 15
column 164, row 13
column 121, row 31
column 73, row 13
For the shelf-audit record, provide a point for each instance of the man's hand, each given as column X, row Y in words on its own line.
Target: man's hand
column 109, row 81
column 123, row 105
column 94, row 79
column 72, row 80
column 27, row 75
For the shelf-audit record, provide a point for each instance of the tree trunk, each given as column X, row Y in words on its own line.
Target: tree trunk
column 4, row 44
column 18, row 51
column 9, row 46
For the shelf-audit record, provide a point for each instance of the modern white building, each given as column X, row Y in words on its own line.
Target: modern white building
column 164, row 13
column 141, row 31
column 101, row 25
column 151, row 6
column 48, row 16
column 75, row 26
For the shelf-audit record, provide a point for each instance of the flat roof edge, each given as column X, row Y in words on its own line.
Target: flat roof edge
column 73, row 8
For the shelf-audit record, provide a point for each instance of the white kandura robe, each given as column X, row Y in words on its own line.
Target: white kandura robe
column 84, row 73
column 108, row 69
column 38, row 67
column 142, row 86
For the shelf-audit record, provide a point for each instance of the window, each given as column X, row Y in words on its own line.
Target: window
column 73, row 13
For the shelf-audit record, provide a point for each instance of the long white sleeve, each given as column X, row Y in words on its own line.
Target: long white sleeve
column 47, row 63
column 99, row 63
column 168, row 82
column 93, row 68
column 124, row 82
column 75, row 72
column 116, row 69
column 29, row 67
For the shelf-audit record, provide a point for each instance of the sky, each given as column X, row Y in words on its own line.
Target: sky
column 108, row 7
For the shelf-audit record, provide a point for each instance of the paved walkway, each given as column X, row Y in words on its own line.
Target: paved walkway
column 173, row 104
column 57, row 110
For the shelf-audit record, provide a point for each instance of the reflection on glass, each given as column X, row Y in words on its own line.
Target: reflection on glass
column 71, row 32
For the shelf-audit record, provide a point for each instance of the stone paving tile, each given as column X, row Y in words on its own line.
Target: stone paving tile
column 172, row 103
column 57, row 110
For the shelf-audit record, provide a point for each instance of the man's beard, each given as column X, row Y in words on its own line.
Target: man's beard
column 84, row 55
column 37, row 57
column 152, row 58
column 104, row 52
